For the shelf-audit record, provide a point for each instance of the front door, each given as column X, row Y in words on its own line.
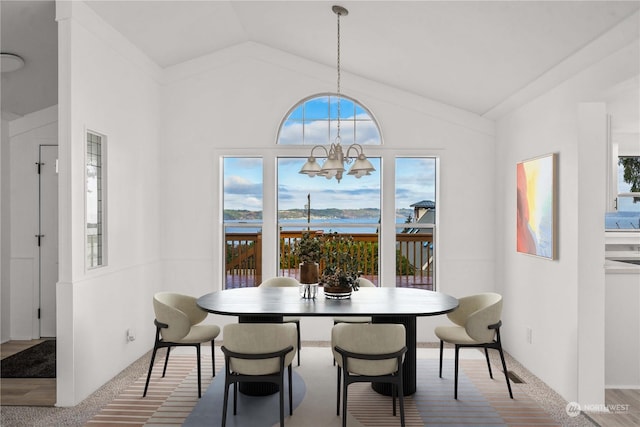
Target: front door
column 48, row 238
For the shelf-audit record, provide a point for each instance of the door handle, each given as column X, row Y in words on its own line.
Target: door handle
column 39, row 236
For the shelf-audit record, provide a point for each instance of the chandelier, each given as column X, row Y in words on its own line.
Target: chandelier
column 334, row 166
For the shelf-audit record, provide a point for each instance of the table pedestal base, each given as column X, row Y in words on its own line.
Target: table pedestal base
column 409, row 369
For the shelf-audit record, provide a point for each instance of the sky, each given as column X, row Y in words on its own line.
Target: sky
column 415, row 181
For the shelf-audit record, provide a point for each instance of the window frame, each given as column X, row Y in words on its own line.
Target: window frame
column 617, row 150
column 102, row 201
column 270, row 258
column 330, row 120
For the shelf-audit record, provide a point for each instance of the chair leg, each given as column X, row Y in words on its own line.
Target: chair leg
column 166, row 361
column 394, row 391
column 235, row 398
column 486, row 353
column 281, row 387
column 441, row 350
column 338, row 391
column 298, row 330
column 153, row 358
column 344, row 403
column 199, row 370
column 455, row 384
column 225, row 401
column 504, row 368
column 213, row 359
column 290, row 391
column 401, row 398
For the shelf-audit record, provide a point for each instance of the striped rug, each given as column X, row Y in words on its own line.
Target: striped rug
column 169, row 400
column 172, row 401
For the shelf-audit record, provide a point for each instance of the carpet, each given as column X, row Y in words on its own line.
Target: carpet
column 38, row 361
column 173, row 400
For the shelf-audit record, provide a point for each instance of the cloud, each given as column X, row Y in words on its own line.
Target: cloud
column 234, row 184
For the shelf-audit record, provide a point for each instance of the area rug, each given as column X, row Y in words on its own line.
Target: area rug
column 173, row 400
column 38, row 361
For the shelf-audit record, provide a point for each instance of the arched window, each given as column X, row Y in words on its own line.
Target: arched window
column 314, row 121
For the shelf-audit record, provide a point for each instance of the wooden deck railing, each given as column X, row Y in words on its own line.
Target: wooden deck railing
column 414, row 258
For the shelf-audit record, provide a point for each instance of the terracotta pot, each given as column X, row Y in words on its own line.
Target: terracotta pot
column 309, row 272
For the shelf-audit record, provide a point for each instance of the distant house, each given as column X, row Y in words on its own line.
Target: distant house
column 425, row 208
column 424, row 212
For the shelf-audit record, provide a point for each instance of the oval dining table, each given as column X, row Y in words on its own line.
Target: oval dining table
column 382, row 304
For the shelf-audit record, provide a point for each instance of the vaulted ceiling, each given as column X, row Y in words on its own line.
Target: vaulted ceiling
column 472, row 55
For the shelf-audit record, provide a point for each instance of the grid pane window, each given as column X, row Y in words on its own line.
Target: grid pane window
column 314, row 121
column 415, row 222
column 242, row 204
column 95, row 201
column 351, row 208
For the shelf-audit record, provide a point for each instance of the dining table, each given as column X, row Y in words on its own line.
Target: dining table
column 382, row 304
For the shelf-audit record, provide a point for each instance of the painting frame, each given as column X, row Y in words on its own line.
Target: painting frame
column 537, row 206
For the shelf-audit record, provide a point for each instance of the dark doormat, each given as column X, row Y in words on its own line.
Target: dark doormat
column 38, row 361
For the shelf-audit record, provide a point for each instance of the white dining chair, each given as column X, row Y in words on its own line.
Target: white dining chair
column 283, row 281
column 369, row 353
column 177, row 324
column 258, row 352
column 477, row 320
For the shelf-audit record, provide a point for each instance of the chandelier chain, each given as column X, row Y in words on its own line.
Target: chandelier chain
column 338, row 68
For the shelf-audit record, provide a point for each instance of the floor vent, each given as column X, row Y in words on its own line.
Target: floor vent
column 514, row 378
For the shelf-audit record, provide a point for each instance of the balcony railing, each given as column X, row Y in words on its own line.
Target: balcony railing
column 414, row 258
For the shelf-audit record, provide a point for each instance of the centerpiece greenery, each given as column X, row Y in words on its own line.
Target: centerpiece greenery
column 340, row 274
column 308, row 251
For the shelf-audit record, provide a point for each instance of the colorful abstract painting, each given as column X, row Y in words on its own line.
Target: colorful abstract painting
column 536, row 222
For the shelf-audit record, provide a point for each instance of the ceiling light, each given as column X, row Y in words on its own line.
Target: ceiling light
column 334, row 166
column 10, row 62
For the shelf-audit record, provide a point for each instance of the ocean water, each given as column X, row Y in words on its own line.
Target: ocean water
column 342, row 225
column 613, row 221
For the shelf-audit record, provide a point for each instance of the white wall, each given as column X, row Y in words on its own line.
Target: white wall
column 106, row 86
column 5, row 241
column 26, row 134
column 232, row 102
column 562, row 301
column 622, row 323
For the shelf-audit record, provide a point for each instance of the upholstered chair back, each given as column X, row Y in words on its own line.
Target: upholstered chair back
column 178, row 311
column 280, row 281
column 365, row 283
column 378, row 338
column 255, row 338
column 476, row 312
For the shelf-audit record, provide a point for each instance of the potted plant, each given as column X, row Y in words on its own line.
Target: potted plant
column 340, row 274
column 308, row 250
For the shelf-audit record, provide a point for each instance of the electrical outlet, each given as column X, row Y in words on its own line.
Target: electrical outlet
column 131, row 335
column 529, row 336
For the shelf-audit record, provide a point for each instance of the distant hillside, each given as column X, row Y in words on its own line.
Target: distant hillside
column 241, row 215
column 330, row 213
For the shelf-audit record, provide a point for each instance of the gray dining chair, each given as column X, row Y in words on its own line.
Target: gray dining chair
column 258, row 352
column 177, row 324
column 477, row 320
column 369, row 353
column 283, row 281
